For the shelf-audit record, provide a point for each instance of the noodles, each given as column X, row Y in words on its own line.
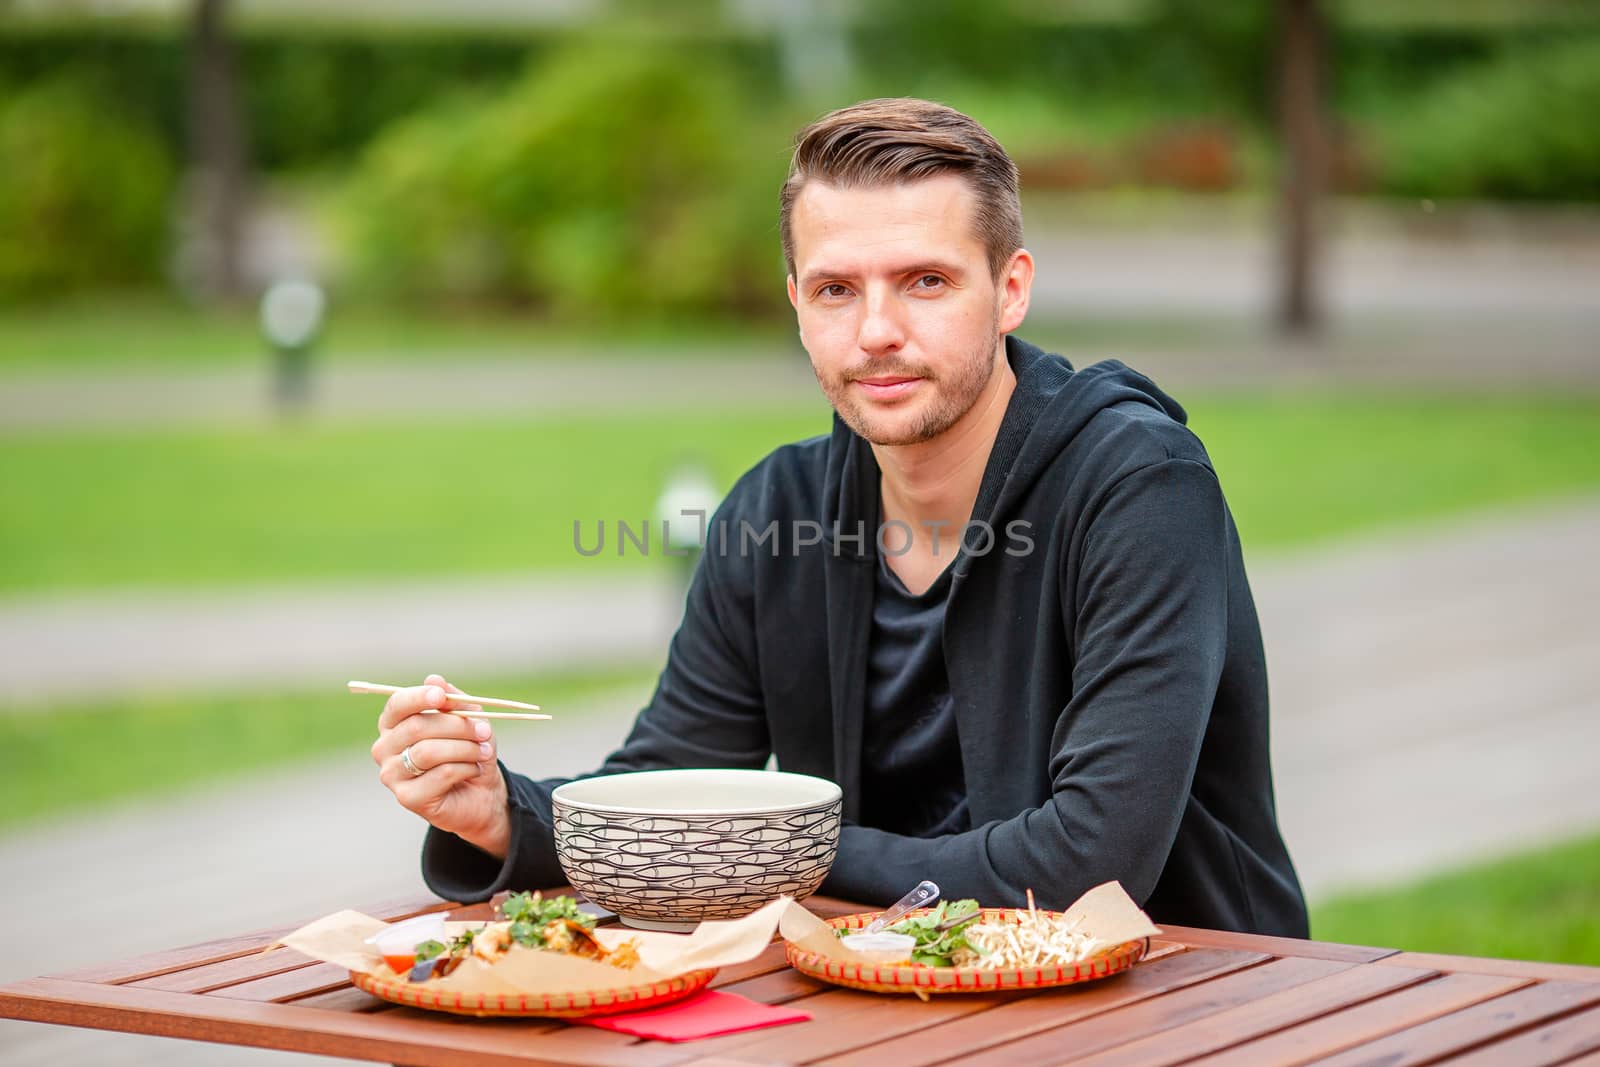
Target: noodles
column 1036, row 939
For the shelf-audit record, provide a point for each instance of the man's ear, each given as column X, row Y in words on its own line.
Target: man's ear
column 1016, row 288
column 794, row 296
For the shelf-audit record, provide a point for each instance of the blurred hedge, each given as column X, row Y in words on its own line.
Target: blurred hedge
column 85, row 191
column 605, row 178
column 1523, row 126
column 309, row 96
column 530, row 165
column 317, row 93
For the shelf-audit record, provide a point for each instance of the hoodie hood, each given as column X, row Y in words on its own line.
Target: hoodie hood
column 1051, row 405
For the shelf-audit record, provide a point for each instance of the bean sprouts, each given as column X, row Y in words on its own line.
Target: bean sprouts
column 1035, row 939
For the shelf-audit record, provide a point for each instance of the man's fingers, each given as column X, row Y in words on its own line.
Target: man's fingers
column 449, row 727
column 438, row 680
column 431, row 753
column 436, row 752
column 419, row 728
column 422, row 794
column 410, row 701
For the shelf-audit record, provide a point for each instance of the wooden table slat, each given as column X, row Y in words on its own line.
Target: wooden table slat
column 400, row 1036
column 779, row 987
column 1365, row 1022
column 347, row 999
column 1562, row 972
column 1160, row 949
column 1122, row 1025
column 166, row 962
column 771, row 959
column 1462, row 1030
column 227, row 948
column 843, row 1019
column 593, row 1047
column 290, row 985
column 1223, row 997
column 204, row 977
column 832, row 907
column 1545, row 1045
column 1283, row 946
column 1269, row 1014
column 1025, row 1015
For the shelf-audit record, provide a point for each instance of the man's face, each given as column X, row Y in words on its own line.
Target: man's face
column 897, row 306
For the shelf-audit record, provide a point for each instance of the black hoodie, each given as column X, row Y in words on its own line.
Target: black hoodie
column 1102, row 647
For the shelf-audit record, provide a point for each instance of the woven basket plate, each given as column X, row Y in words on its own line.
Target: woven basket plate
column 551, row 1005
column 921, row 980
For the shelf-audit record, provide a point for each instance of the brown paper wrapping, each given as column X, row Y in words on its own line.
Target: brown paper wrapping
column 341, row 939
column 1110, row 915
column 1106, row 912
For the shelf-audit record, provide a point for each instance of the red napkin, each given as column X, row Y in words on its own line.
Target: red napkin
column 707, row 1014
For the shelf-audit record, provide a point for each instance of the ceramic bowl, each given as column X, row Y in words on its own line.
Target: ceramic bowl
column 666, row 850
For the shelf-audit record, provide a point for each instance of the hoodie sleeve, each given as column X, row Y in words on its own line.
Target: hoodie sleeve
column 706, row 712
column 1149, row 643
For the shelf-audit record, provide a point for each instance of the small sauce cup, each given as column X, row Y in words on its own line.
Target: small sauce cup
column 881, row 947
column 397, row 943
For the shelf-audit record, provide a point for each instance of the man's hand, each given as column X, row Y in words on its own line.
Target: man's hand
column 453, row 781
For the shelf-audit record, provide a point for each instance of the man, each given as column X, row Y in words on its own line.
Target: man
column 1002, row 605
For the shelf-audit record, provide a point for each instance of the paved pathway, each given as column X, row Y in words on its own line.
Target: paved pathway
column 1490, row 354
column 1435, row 700
column 479, row 384
column 1480, row 296
column 78, row 646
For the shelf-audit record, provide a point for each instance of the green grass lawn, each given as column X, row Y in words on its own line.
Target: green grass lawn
column 1539, row 905
column 94, row 334
column 366, row 501
column 1299, row 468
column 196, row 507
column 61, row 759
column 133, row 334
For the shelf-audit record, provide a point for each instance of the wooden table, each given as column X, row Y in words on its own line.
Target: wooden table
column 1202, row 997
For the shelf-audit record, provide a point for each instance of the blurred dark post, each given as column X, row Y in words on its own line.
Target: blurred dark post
column 217, row 152
column 1302, row 68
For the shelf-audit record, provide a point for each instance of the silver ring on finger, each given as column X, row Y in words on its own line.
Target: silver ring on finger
column 406, row 761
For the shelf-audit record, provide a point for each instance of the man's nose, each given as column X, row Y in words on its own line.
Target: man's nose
column 881, row 327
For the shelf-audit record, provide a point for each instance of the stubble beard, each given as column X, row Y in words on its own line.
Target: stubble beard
column 953, row 397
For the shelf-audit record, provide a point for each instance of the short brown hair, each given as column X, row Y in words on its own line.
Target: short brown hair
column 902, row 139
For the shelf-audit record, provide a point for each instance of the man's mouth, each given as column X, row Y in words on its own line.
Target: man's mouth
column 888, row 386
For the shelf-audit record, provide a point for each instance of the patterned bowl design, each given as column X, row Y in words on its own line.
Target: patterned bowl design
column 922, row 980
column 671, row 870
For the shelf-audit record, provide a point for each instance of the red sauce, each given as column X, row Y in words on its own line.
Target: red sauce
column 401, row 964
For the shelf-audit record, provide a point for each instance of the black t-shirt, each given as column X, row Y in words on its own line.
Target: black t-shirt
column 911, row 775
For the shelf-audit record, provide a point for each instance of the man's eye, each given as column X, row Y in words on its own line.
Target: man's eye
column 929, row 281
column 835, row 290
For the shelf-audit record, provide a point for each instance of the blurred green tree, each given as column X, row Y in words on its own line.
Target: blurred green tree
column 85, row 192
column 1520, row 126
column 614, row 177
